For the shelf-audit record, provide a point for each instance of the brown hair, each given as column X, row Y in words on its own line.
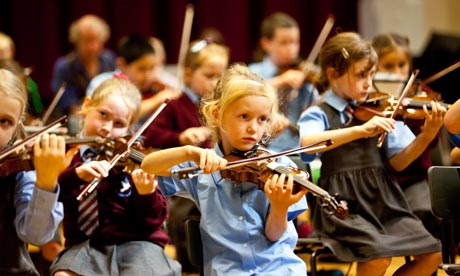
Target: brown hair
column 275, row 21
column 340, row 52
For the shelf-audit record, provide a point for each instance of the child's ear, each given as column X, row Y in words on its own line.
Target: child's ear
column 188, row 75
column 121, row 63
column 85, row 105
column 265, row 44
column 331, row 73
column 215, row 115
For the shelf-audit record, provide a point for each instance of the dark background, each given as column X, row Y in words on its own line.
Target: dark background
column 39, row 28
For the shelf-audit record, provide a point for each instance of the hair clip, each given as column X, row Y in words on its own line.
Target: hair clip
column 199, row 46
column 120, row 76
column 345, row 53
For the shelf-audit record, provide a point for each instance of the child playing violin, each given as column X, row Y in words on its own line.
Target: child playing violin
column 381, row 224
column 117, row 228
column 29, row 208
column 280, row 40
column 395, row 58
column 136, row 59
column 243, row 229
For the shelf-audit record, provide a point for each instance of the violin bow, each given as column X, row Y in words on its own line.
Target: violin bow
column 398, row 105
column 53, row 104
column 319, row 42
column 314, row 147
column 185, row 40
column 441, row 73
column 91, row 186
column 56, row 124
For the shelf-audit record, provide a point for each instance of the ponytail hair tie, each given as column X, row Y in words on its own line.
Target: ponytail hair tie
column 121, row 76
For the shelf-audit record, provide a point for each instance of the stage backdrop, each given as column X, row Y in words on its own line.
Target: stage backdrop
column 39, row 28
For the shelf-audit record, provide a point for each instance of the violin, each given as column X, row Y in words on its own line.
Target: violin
column 258, row 173
column 382, row 104
column 257, row 166
column 23, row 159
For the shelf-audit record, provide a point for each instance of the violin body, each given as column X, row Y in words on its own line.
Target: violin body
column 382, row 104
column 259, row 172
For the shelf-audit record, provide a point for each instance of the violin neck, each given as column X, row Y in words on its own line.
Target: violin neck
column 420, row 104
column 136, row 156
column 297, row 179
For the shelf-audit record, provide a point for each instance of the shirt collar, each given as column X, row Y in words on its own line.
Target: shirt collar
column 337, row 102
column 193, row 96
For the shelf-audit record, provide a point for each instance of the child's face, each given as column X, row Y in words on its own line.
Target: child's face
column 396, row 62
column 356, row 83
column 283, row 48
column 111, row 118
column 204, row 78
column 10, row 113
column 244, row 122
column 141, row 71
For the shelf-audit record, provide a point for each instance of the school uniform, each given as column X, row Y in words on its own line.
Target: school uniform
column 233, row 216
column 28, row 215
column 129, row 239
column 381, row 223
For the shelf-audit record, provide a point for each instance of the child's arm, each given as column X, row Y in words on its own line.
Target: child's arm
column 150, row 104
column 371, row 128
column 455, row 156
column 452, row 118
column 280, row 196
column 160, row 162
column 38, row 213
column 433, row 122
column 49, row 161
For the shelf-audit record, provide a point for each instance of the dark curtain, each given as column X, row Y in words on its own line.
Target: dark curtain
column 39, row 28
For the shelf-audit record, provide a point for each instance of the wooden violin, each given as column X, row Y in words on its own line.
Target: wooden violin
column 259, row 165
column 260, row 172
column 381, row 104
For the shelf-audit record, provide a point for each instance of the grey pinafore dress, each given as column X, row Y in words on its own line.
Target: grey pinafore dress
column 380, row 222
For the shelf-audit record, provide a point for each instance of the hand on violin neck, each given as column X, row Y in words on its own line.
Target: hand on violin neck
column 49, row 160
column 434, row 119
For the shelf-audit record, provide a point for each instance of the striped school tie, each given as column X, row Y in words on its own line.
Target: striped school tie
column 348, row 112
column 88, row 215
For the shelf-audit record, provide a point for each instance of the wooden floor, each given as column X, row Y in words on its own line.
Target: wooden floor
column 347, row 269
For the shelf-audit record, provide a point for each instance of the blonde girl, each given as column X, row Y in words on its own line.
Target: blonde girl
column 244, row 230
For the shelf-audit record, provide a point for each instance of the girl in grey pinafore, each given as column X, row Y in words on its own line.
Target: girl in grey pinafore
column 380, row 222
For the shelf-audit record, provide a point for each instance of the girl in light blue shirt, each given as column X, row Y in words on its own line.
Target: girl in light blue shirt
column 245, row 231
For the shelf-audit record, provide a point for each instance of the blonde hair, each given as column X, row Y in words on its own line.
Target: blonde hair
column 200, row 51
column 7, row 43
column 118, row 87
column 340, row 52
column 92, row 22
column 13, row 87
column 236, row 82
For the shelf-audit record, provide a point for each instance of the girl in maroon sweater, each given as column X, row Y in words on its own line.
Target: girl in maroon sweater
column 123, row 235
